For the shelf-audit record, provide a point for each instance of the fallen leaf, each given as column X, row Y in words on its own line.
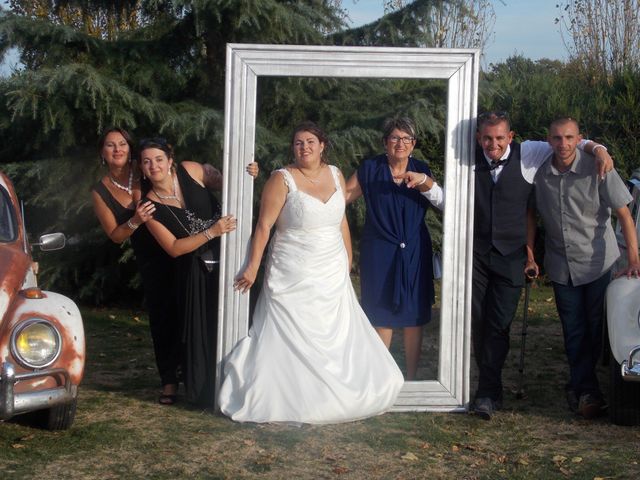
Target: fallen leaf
column 136, row 319
column 340, row 470
column 565, row 471
column 559, row 458
column 501, row 458
column 425, row 446
column 549, row 300
column 455, row 448
column 576, row 459
column 523, row 461
column 17, row 445
column 112, row 317
column 249, row 443
column 409, row 457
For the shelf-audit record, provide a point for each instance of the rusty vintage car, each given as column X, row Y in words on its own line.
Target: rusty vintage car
column 42, row 348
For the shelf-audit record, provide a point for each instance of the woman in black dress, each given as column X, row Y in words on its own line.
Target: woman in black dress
column 117, row 205
column 187, row 225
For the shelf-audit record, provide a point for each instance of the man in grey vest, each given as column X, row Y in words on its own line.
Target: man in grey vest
column 580, row 249
column 504, row 218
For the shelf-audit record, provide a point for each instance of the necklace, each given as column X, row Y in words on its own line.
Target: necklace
column 117, row 184
column 395, row 180
column 174, row 196
column 315, row 181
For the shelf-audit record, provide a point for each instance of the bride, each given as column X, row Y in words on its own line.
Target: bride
column 311, row 355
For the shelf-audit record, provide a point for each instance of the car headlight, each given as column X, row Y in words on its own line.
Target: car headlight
column 36, row 343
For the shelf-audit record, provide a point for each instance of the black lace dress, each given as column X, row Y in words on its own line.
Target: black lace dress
column 157, row 270
column 196, row 288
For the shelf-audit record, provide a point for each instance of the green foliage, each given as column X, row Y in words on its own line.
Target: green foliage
column 153, row 66
column 534, row 93
column 157, row 67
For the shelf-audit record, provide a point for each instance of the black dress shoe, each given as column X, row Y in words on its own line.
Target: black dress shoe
column 591, row 406
column 484, row 408
column 167, row 399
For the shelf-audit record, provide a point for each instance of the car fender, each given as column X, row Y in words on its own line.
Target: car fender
column 65, row 315
column 623, row 310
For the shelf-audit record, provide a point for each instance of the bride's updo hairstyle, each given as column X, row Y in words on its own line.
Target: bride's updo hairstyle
column 309, row 126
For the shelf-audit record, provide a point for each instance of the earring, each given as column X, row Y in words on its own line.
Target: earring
column 129, row 160
column 104, row 162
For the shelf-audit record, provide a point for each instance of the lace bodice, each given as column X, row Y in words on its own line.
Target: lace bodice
column 304, row 211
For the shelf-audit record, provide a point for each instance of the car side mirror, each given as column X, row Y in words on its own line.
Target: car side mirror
column 51, row 241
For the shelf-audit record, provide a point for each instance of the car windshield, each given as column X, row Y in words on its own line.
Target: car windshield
column 8, row 230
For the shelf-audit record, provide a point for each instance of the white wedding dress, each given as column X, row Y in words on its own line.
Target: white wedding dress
column 311, row 355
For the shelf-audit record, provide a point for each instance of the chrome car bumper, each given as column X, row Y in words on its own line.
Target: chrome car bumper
column 12, row 403
column 630, row 368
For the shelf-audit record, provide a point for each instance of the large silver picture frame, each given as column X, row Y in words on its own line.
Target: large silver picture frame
column 460, row 67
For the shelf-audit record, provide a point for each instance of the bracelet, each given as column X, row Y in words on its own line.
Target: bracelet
column 593, row 150
column 132, row 225
column 423, row 180
column 207, row 234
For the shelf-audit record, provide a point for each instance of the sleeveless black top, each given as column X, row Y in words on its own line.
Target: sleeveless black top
column 202, row 210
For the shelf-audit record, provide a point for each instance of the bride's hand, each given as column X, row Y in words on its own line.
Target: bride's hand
column 245, row 280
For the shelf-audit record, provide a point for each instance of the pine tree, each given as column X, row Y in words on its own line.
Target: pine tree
column 149, row 66
column 157, row 67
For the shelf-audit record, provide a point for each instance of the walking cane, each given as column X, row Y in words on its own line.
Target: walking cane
column 530, row 275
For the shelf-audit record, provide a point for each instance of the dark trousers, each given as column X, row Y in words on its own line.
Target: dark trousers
column 497, row 284
column 164, row 322
column 581, row 311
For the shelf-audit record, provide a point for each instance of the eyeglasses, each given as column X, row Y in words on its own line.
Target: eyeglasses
column 405, row 140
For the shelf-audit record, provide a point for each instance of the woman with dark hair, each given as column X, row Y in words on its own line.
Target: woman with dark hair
column 311, row 355
column 187, row 223
column 396, row 271
column 116, row 202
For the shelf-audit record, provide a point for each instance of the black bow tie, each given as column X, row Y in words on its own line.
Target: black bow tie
column 496, row 163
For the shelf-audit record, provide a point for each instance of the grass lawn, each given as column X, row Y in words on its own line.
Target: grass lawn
column 121, row 432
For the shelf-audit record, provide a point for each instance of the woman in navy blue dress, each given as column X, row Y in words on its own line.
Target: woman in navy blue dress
column 396, row 271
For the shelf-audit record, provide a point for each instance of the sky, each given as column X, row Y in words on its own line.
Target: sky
column 523, row 27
